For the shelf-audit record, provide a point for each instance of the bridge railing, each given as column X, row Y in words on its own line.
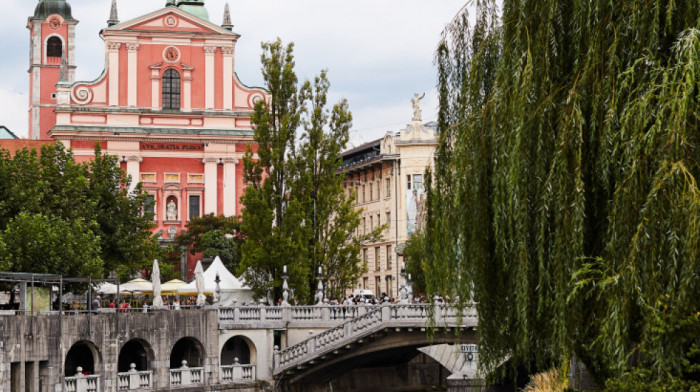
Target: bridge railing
column 279, row 316
column 373, row 318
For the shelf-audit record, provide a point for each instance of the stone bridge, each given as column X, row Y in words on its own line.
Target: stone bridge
column 222, row 349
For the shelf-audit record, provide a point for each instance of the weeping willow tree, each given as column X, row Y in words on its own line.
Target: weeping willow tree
column 565, row 191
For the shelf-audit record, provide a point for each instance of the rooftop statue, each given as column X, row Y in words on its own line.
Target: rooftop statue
column 417, row 112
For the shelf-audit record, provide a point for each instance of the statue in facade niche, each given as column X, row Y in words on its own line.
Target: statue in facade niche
column 171, row 213
column 417, row 112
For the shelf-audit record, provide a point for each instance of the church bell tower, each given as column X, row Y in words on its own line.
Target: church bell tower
column 52, row 36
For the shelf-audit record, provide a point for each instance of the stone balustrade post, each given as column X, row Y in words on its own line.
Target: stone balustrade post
column 276, row 356
column 263, row 314
column 286, row 315
column 80, row 381
column 134, row 377
column 185, row 375
column 325, row 313
column 237, row 369
column 386, row 314
column 437, row 307
column 236, row 314
column 311, row 344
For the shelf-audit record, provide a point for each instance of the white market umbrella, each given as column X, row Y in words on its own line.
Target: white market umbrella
column 137, row 285
column 155, row 278
column 199, row 279
column 106, row 288
column 170, row 287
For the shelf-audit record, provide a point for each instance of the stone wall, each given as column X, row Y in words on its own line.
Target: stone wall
column 33, row 349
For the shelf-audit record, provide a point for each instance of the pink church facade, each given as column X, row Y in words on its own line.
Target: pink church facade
column 168, row 104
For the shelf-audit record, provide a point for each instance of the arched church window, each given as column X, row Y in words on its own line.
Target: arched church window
column 171, row 89
column 54, row 47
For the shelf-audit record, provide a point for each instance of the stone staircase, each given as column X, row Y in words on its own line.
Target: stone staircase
column 373, row 320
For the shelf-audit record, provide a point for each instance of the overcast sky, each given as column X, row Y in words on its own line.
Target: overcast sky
column 378, row 52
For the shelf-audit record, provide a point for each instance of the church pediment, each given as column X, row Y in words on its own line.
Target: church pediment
column 170, row 19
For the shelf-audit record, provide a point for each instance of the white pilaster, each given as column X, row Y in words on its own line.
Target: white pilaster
column 228, row 77
column 155, row 86
column 209, row 77
column 230, row 186
column 133, row 169
column 187, row 88
column 132, row 49
column 113, row 66
column 210, row 186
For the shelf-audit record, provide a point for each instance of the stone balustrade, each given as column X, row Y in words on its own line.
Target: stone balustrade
column 135, row 380
column 82, row 383
column 231, row 373
column 186, row 375
column 373, row 319
column 289, row 316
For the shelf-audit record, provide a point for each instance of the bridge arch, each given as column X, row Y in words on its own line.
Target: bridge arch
column 84, row 354
column 136, row 351
column 240, row 347
column 189, row 349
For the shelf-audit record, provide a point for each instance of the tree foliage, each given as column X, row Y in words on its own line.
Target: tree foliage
column 565, row 191
column 296, row 212
column 60, row 216
column 214, row 235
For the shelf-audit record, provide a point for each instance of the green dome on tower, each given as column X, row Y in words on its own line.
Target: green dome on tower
column 194, row 7
column 50, row 7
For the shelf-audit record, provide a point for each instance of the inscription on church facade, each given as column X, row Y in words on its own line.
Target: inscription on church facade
column 172, row 146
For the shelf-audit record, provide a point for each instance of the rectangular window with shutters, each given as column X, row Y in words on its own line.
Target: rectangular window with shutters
column 379, row 286
column 389, row 286
column 388, row 187
column 194, row 206
column 371, row 223
column 408, row 181
column 379, row 220
column 364, row 226
column 377, row 259
column 379, row 191
column 365, row 256
column 365, row 283
column 371, row 192
column 388, row 220
column 363, row 194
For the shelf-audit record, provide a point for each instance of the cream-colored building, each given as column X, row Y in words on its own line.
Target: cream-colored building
column 388, row 176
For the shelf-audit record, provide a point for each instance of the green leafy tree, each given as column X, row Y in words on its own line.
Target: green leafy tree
column 565, row 192
column 414, row 259
column 214, row 235
column 124, row 231
column 50, row 192
column 296, row 212
column 36, row 243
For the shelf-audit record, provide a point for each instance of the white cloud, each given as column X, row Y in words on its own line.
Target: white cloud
column 378, row 52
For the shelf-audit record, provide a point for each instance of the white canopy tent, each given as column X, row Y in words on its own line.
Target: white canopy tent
column 232, row 289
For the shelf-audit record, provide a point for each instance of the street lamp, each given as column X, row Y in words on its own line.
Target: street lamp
column 217, row 290
column 285, row 287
